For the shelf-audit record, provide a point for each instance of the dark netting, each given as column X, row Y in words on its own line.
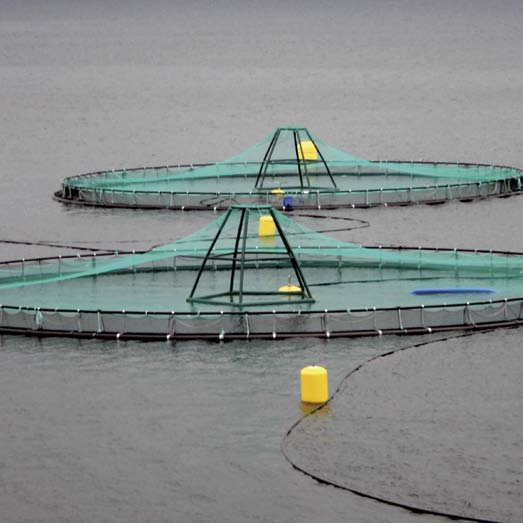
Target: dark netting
column 256, row 272
column 290, row 168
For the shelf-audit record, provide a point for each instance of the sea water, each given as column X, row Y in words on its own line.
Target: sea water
column 192, row 431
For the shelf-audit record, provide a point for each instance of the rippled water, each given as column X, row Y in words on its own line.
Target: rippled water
column 433, row 427
column 192, row 432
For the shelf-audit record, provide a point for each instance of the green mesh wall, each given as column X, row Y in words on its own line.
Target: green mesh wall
column 279, row 161
column 312, row 250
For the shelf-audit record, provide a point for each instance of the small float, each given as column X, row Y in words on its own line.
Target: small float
column 291, row 168
column 256, row 273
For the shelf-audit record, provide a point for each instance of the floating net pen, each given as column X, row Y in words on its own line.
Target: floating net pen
column 291, row 168
column 255, row 273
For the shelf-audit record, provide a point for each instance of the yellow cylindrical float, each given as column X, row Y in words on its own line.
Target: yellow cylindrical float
column 289, row 287
column 314, row 385
column 309, row 151
column 268, row 241
column 266, row 226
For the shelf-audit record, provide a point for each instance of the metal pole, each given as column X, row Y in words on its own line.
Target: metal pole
column 266, row 160
column 294, row 134
column 322, row 159
column 304, row 162
column 235, row 253
column 294, row 262
column 242, row 260
column 208, row 254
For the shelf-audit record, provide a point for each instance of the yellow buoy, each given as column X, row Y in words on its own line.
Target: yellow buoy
column 268, row 241
column 314, row 385
column 307, row 408
column 309, row 150
column 266, row 226
column 289, row 287
column 278, row 191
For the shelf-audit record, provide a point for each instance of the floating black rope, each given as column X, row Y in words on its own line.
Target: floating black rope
column 44, row 243
column 363, row 224
column 75, row 247
column 319, row 479
column 54, row 245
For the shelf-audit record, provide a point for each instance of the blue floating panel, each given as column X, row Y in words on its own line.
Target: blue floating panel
column 453, row 290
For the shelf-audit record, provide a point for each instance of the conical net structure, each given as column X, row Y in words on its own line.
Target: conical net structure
column 294, row 160
column 311, row 248
column 231, row 279
column 290, row 162
column 249, row 237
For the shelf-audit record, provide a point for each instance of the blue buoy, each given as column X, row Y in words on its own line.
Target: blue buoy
column 287, row 202
column 453, row 290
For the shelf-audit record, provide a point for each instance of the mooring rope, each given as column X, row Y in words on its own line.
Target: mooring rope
column 390, row 502
column 44, row 243
column 76, row 247
column 363, row 224
column 54, row 245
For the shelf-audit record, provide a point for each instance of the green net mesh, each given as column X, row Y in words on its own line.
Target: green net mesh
column 291, row 159
column 310, row 248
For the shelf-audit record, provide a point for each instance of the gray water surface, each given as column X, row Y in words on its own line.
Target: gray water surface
column 114, row 432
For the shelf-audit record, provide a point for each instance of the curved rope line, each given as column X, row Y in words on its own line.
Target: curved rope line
column 43, row 243
column 325, row 481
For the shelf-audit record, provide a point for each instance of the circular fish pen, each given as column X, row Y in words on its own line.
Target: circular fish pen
column 255, row 273
column 290, row 168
